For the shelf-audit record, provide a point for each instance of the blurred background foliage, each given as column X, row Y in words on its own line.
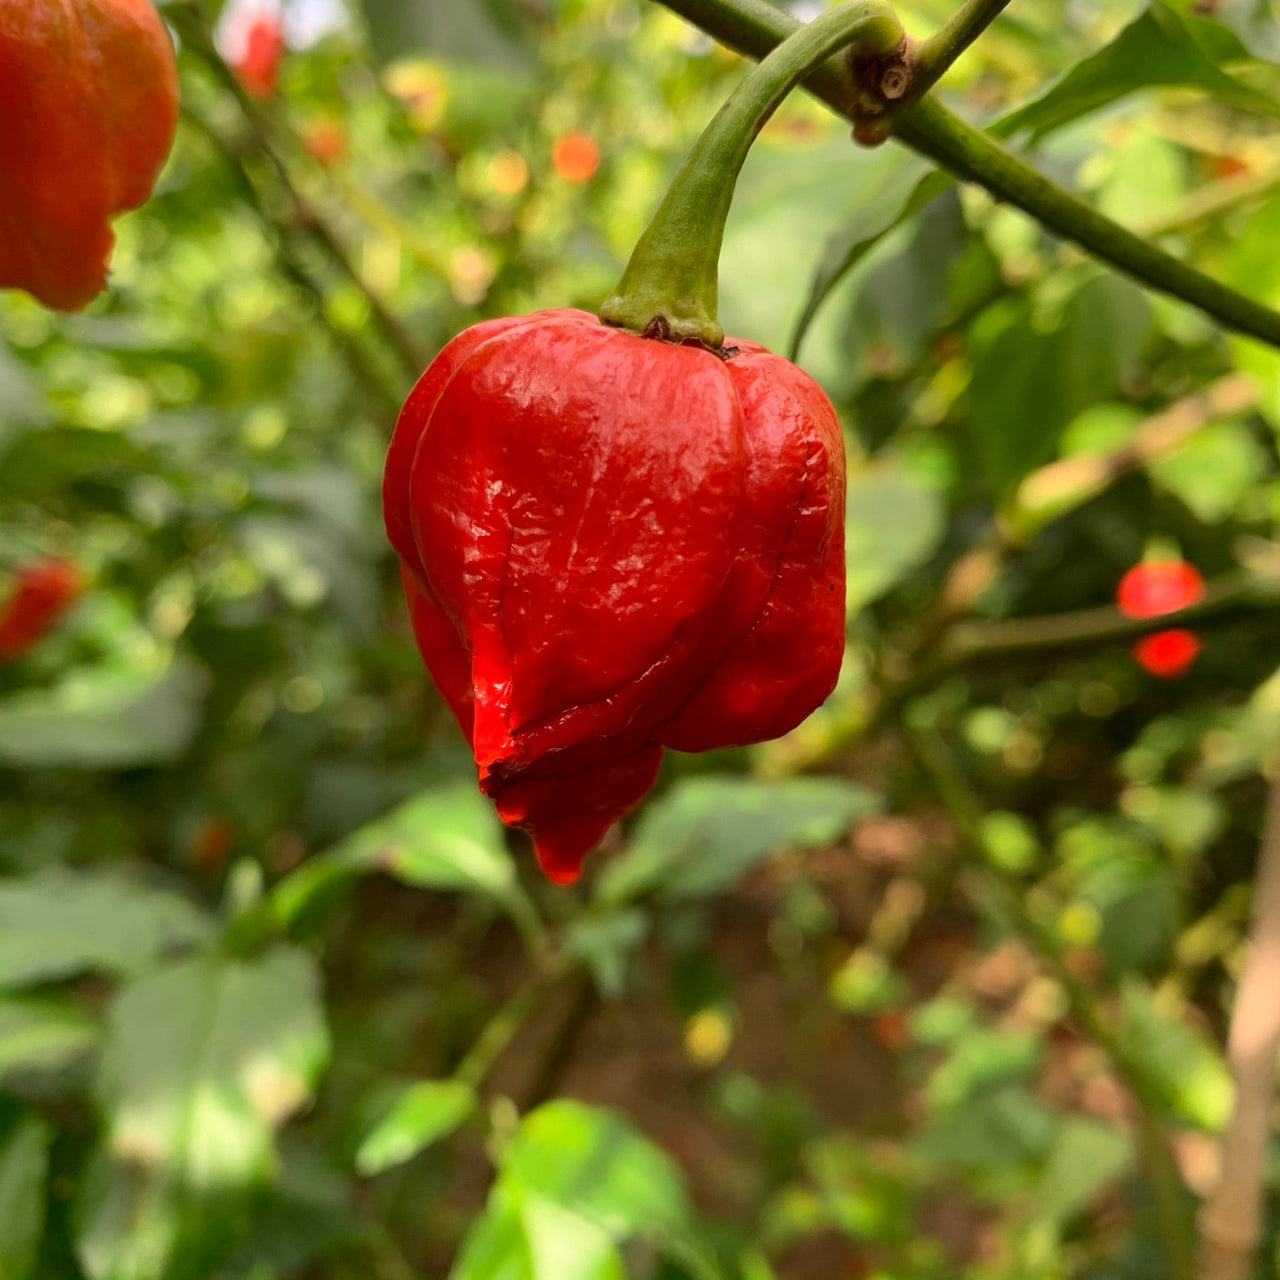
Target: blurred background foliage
column 933, row 987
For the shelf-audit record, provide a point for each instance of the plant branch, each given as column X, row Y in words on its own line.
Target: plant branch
column 938, row 52
column 755, row 27
column 189, row 21
column 1231, row 1220
column 362, row 367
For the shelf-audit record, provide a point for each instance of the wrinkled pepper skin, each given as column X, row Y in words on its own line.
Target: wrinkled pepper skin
column 88, row 109
column 610, row 545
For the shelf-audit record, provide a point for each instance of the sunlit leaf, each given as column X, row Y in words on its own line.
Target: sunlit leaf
column 893, row 522
column 446, row 837
column 1159, row 47
column 707, row 831
column 24, row 1167
column 104, row 719
column 423, row 1113
column 42, row 1036
column 593, row 1163
column 56, row 925
column 203, row 1061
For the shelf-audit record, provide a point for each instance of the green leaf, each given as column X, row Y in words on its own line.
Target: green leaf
column 99, row 719
column 591, row 1162
column 1215, row 471
column 24, row 1167
column 708, row 830
column 1183, row 1063
column 1159, row 47
column 1033, row 373
column 605, row 944
column 203, row 1061
column 423, row 1113
column 446, row 837
column 522, row 1236
column 42, row 1036
column 1087, row 1157
column 57, row 924
column 893, row 522
column 901, row 193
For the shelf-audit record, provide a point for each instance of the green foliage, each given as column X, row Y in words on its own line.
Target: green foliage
column 279, row 995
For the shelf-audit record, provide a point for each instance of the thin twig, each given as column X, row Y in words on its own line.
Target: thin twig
column 1231, row 1220
column 938, row 52
column 362, row 367
column 190, row 22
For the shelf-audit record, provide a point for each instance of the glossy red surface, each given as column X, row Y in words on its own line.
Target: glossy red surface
column 89, row 104
column 613, row 544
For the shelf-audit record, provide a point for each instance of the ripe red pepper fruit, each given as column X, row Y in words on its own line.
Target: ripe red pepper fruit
column 623, row 534
column 42, row 592
column 88, row 105
column 260, row 54
column 1154, row 587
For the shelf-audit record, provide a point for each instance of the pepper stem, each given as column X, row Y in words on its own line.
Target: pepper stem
column 670, row 285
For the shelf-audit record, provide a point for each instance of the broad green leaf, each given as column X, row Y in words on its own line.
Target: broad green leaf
column 593, row 1163
column 204, row 1060
column 898, row 195
column 1087, row 1157
column 1000, row 1133
column 423, row 1113
column 1176, row 1056
column 1159, row 47
column 523, row 1236
column 446, row 837
column 56, row 925
column 24, row 1167
column 1032, row 374
column 1215, row 471
column 708, row 830
column 893, row 522
column 98, row 719
column 42, row 1036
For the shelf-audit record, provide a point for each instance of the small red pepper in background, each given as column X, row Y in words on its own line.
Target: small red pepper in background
column 260, row 54
column 611, row 544
column 42, row 592
column 1162, row 586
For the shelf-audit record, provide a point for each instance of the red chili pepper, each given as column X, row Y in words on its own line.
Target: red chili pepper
column 88, row 109
column 259, row 59
column 1158, row 586
column 1162, row 586
column 42, row 592
column 1167, row 654
column 613, row 544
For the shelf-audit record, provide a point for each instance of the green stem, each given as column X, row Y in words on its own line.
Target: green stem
column 928, row 127
column 671, row 281
column 499, row 1031
column 755, row 27
column 938, row 52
